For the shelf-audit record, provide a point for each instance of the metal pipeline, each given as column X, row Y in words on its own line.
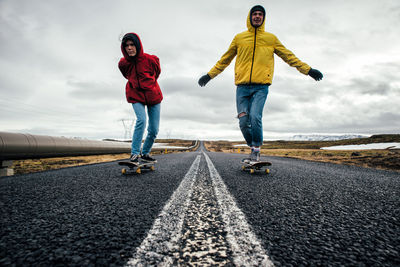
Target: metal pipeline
column 22, row 146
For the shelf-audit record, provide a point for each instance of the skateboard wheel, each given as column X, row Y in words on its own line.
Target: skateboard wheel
column 138, row 171
column 251, row 171
column 267, row 171
column 152, row 168
column 123, row 171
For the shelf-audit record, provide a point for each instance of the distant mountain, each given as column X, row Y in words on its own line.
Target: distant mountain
column 316, row 137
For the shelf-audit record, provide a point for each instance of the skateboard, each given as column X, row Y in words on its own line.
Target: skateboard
column 253, row 166
column 136, row 167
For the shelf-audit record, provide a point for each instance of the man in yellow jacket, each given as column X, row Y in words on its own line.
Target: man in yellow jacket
column 254, row 68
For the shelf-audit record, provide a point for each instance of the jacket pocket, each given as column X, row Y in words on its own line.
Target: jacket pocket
column 153, row 96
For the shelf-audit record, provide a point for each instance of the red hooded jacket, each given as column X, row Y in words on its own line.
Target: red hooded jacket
column 142, row 72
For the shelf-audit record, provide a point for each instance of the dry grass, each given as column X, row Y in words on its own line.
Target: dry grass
column 44, row 164
column 379, row 159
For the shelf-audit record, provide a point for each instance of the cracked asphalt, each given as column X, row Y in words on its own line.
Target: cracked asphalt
column 203, row 240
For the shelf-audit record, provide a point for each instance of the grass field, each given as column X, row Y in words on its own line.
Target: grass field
column 307, row 150
column 386, row 159
column 44, row 164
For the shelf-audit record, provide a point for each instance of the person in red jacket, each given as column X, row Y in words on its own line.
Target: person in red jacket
column 142, row 71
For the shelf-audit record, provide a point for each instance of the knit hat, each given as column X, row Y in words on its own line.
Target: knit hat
column 257, row 8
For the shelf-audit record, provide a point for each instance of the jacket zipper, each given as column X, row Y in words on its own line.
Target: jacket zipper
column 137, row 78
column 254, row 52
column 137, row 74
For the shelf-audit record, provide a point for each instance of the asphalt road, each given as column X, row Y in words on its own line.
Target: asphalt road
column 302, row 213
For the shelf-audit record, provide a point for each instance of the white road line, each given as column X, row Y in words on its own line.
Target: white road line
column 160, row 247
column 246, row 248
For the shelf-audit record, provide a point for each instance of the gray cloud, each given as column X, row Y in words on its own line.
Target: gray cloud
column 59, row 75
column 96, row 90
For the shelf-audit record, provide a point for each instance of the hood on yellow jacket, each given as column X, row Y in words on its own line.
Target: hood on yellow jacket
column 254, row 50
column 251, row 28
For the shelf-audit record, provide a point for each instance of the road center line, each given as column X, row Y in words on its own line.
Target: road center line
column 246, row 248
column 161, row 246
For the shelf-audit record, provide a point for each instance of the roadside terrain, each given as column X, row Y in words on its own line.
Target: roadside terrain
column 385, row 159
column 45, row 164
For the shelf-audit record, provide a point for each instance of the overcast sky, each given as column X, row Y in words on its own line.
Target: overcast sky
column 59, row 74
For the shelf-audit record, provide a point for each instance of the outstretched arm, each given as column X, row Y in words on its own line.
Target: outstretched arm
column 224, row 62
column 288, row 56
column 293, row 61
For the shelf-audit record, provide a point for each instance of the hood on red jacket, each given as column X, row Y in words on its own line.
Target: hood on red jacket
column 142, row 72
column 136, row 42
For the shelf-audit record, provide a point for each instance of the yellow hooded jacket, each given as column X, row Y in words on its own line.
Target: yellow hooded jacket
column 255, row 50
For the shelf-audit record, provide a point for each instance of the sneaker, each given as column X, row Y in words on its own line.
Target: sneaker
column 147, row 158
column 134, row 159
column 248, row 159
column 255, row 156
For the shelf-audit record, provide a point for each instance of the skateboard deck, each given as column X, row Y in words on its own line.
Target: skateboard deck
column 253, row 166
column 136, row 167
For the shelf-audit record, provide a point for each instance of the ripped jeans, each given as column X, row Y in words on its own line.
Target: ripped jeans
column 250, row 100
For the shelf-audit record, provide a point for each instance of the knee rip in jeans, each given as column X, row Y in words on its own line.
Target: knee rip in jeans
column 242, row 114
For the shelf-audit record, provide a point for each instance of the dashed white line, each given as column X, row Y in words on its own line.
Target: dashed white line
column 160, row 247
column 245, row 246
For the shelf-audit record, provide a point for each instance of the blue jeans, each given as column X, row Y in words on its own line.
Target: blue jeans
column 250, row 100
column 152, row 130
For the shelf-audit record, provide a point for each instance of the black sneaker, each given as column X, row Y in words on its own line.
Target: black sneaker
column 147, row 158
column 246, row 160
column 134, row 159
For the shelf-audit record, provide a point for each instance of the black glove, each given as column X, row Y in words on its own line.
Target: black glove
column 315, row 74
column 204, row 80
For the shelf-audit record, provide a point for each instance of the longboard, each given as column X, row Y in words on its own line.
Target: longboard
column 252, row 166
column 136, row 167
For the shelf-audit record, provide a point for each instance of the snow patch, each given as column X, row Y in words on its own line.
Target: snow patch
column 365, row 147
column 165, row 145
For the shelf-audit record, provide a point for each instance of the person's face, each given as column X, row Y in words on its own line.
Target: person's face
column 257, row 18
column 130, row 48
